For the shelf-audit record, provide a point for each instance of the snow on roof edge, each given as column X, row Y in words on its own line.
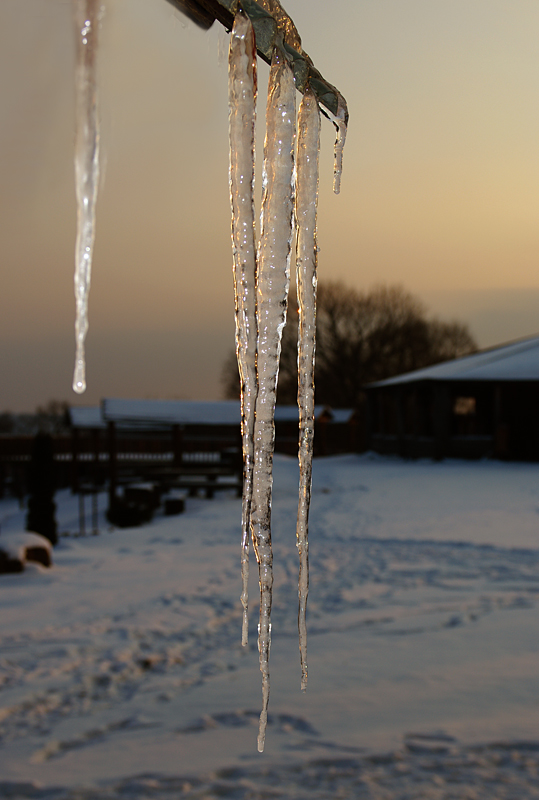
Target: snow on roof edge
column 86, row 417
column 474, row 366
column 164, row 413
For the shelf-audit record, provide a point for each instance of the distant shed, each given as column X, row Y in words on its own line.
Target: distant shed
column 164, row 413
column 192, row 420
column 135, row 436
column 486, row 404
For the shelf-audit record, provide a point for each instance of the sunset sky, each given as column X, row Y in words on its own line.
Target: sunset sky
column 440, row 188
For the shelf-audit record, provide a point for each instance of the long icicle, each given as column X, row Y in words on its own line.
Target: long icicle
column 272, row 295
column 87, row 13
column 308, row 148
column 242, row 88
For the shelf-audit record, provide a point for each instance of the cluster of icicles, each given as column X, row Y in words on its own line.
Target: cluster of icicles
column 261, row 281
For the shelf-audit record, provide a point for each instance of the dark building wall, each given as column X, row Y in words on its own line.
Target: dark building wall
column 458, row 419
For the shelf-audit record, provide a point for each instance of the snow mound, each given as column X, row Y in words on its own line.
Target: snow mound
column 16, row 548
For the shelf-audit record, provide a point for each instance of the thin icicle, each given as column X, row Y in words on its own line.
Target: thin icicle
column 306, row 259
column 340, row 120
column 87, row 14
column 272, row 296
column 242, row 85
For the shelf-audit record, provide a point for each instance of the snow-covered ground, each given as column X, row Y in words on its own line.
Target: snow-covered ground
column 122, row 672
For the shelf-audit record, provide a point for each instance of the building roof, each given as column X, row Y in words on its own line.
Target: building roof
column 163, row 413
column 130, row 414
column 517, row 361
column 86, row 417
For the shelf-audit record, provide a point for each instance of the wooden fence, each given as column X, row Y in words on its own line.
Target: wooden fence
column 94, row 456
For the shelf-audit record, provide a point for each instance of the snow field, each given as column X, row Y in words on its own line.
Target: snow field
column 122, row 671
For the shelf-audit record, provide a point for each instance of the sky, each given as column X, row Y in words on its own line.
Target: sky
column 440, row 189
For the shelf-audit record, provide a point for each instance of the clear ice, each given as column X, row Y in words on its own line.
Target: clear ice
column 340, row 120
column 87, row 15
column 273, row 279
column 285, row 25
column 242, row 88
column 308, row 147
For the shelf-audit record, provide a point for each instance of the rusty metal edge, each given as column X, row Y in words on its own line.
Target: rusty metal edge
column 205, row 12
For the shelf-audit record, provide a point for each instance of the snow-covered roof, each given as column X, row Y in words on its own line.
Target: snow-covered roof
column 171, row 412
column 517, row 361
column 86, row 417
column 156, row 413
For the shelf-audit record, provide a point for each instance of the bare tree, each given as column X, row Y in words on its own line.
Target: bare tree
column 53, row 417
column 362, row 337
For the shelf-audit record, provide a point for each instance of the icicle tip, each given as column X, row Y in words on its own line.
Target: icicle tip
column 79, row 377
column 79, row 387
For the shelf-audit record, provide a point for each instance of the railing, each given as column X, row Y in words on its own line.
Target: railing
column 86, row 456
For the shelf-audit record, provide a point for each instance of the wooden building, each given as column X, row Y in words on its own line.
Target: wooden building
column 180, row 444
column 483, row 405
column 168, row 430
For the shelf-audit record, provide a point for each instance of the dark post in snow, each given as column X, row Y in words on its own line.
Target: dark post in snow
column 42, row 485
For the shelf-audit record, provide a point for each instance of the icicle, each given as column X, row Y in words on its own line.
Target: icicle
column 340, row 120
column 87, row 14
column 272, row 295
column 242, row 112
column 306, row 257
